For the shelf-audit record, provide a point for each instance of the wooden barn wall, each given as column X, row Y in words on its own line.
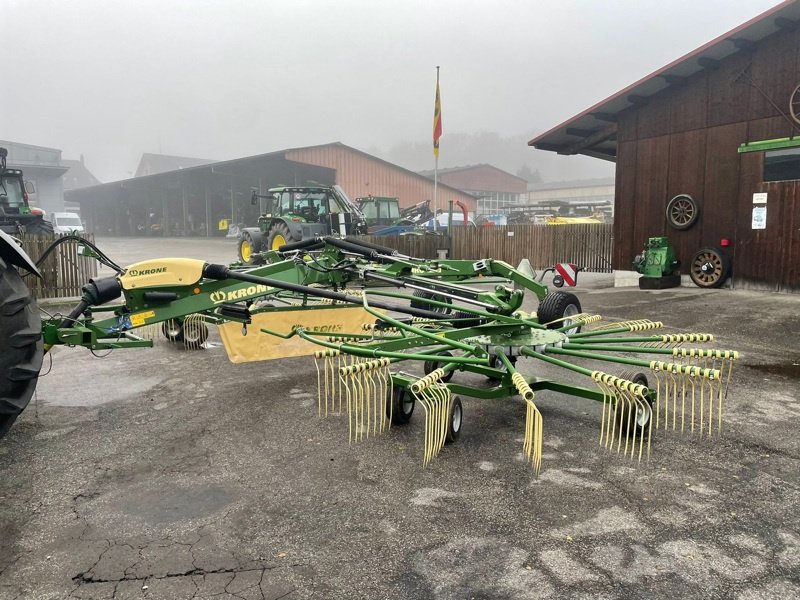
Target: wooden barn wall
column 359, row 175
column 685, row 140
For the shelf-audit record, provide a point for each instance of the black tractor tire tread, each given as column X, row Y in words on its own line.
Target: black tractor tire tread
column 20, row 335
column 421, row 304
column 282, row 229
column 39, row 227
column 552, row 307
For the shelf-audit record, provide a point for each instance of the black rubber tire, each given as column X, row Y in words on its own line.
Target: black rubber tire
column 279, row 229
column 710, row 268
column 431, row 296
column 194, row 333
column 21, row 339
column 682, row 212
column 498, row 364
column 173, row 330
column 454, row 421
column 401, row 407
column 469, row 320
column 557, row 305
column 641, row 425
column 255, row 244
column 39, row 227
column 430, row 365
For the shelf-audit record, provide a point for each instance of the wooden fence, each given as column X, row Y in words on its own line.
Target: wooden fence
column 587, row 245
column 64, row 271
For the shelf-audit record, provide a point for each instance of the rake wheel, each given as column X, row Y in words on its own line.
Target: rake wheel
column 402, row 406
column 20, row 361
column 172, row 330
column 431, row 365
column 423, row 295
column 558, row 305
column 195, row 333
column 454, row 421
column 641, row 421
column 496, row 363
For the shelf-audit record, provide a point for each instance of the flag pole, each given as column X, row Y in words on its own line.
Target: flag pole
column 437, row 132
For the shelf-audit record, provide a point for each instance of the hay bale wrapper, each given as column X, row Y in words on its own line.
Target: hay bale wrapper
column 363, row 312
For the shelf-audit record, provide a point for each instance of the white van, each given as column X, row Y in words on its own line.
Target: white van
column 66, row 222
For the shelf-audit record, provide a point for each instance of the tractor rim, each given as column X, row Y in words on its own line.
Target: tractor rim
column 278, row 241
column 407, row 405
column 246, row 250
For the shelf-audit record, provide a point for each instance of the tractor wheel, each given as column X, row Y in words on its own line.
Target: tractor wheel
column 400, row 406
column 172, row 330
column 454, row 421
column 430, row 366
column 278, row 236
column 496, row 363
column 39, row 227
column 637, row 425
column 423, row 295
column 682, row 212
column 195, row 333
column 249, row 247
column 558, row 305
column 21, row 335
column 710, row 268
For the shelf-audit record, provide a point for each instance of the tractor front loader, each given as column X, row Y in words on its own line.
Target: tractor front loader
column 364, row 311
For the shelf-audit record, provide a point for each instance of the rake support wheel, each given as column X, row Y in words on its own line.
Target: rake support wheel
column 710, row 268
column 638, row 425
column 402, row 406
column 556, row 306
column 21, row 336
column 454, row 420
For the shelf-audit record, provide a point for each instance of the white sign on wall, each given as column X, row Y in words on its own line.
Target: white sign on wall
column 760, row 217
column 760, row 198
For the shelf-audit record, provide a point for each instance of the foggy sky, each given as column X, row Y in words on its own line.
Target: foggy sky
column 220, row 80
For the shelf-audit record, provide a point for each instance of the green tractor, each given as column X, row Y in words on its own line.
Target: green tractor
column 16, row 215
column 293, row 214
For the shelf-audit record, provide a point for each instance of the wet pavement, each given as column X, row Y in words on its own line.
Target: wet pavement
column 165, row 473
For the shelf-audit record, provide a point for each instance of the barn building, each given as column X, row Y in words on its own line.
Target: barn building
column 687, row 162
column 201, row 198
column 495, row 190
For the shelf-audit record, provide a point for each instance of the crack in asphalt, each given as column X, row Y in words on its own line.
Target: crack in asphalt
column 81, row 578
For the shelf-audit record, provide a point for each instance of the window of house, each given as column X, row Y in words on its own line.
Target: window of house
column 780, row 165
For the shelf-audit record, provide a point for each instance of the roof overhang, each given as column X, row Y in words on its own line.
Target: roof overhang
column 594, row 131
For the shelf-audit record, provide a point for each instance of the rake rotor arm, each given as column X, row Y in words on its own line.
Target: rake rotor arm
column 221, row 272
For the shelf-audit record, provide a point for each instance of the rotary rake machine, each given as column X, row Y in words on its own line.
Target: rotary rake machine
column 364, row 312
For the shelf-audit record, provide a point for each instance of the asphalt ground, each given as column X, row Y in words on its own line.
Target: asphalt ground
column 165, row 473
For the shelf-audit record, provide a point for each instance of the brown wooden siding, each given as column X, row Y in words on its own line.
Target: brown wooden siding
column 361, row 175
column 588, row 246
column 709, row 116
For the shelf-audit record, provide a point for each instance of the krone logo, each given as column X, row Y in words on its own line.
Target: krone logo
column 217, row 297
column 137, row 272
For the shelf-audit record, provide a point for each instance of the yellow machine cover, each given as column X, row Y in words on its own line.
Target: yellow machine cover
column 257, row 345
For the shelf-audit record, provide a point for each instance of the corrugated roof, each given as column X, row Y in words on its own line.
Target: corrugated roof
column 593, row 131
